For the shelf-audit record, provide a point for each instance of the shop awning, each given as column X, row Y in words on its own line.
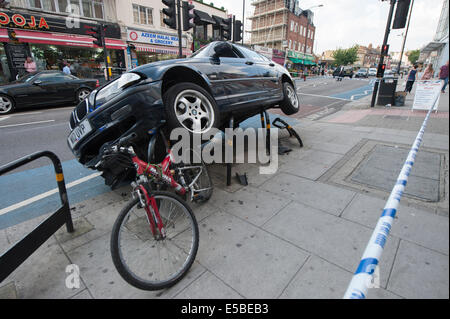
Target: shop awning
column 296, row 61
column 203, row 17
column 4, row 35
column 432, row 46
column 65, row 39
column 219, row 21
column 159, row 49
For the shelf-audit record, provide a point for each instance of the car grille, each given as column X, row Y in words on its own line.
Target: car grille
column 78, row 114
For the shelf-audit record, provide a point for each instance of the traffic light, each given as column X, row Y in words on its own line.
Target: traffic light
column 99, row 35
column 385, row 50
column 226, row 31
column 171, row 13
column 187, row 16
column 401, row 14
column 237, row 31
column 380, row 71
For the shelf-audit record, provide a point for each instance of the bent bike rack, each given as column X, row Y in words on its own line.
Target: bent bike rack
column 16, row 255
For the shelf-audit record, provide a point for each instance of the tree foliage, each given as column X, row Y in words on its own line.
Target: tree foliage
column 346, row 56
column 413, row 56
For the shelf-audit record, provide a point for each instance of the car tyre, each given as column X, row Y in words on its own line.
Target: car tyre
column 7, row 104
column 82, row 94
column 291, row 103
column 191, row 107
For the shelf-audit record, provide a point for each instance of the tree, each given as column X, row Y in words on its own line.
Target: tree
column 346, row 56
column 413, row 56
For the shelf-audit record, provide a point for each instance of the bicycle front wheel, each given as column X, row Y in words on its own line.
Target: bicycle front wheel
column 150, row 263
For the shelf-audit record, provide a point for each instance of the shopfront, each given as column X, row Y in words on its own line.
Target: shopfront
column 301, row 60
column 146, row 47
column 50, row 43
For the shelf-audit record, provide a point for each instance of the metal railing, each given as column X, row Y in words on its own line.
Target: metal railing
column 20, row 252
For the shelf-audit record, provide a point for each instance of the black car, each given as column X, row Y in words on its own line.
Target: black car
column 197, row 93
column 347, row 71
column 44, row 88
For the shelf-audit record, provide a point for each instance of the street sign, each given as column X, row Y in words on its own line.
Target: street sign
column 428, row 94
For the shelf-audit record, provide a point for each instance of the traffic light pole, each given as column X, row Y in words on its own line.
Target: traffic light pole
column 386, row 38
column 404, row 38
column 180, row 35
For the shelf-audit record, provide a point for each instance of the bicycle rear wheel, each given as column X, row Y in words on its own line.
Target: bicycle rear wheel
column 154, row 264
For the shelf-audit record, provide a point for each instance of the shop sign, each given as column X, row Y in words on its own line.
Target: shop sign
column 18, row 20
column 301, row 56
column 153, row 38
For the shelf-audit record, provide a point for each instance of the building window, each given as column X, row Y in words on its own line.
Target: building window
column 292, row 25
column 301, row 29
column 295, row 45
column 142, row 15
column 290, row 44
column 312, row 35
column 86, row 8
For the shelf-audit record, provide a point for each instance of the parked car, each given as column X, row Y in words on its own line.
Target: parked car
column 44, row 88
column 348, row 71
column 388, row 74
column 362, row 73
column 198, row 94
column 373, row 72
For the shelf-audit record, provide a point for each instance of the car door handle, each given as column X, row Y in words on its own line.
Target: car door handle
column 249, row 63
column 272, row 64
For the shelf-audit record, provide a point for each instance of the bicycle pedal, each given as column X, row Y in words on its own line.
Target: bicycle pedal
column 198, row 197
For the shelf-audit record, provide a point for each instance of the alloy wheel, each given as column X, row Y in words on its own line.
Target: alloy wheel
column 83, row 94
column 5, row 105
column 292, row 96
column 194, row 111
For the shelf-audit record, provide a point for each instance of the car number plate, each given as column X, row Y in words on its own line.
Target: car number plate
column 79, row 133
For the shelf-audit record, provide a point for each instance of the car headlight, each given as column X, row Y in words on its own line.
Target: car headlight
column 116, row 87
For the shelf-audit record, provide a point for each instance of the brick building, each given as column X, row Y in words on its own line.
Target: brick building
column 276, row 21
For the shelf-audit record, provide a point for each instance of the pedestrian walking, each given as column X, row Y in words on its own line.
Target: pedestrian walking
column 428, row 73
column 30, row 65
column 66, row 68
column 341, row 74
column 443, row 76
column 412, row 76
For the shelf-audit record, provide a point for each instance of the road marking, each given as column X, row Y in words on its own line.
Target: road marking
column 324, row 96
column 21, row 114
column 46, row 194
column 4, row 118
column 30, row 123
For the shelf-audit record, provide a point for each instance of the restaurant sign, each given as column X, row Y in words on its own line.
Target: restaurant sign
column 18, row 20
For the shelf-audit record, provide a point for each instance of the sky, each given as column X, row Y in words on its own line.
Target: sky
column 343, row 23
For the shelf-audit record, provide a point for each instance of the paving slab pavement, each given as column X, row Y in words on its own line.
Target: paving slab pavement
column 295, row 234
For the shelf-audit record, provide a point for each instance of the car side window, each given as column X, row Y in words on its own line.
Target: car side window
column 230, row 52
column 252, row 55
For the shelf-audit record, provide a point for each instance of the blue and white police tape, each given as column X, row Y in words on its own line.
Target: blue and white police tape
column 362, row 278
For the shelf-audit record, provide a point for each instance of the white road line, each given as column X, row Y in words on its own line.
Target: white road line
column 21, row 114
column 324, row 96
column 4, row 118
column 30, row 123
column 46, row 194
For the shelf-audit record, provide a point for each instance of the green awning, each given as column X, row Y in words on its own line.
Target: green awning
column 296, row 61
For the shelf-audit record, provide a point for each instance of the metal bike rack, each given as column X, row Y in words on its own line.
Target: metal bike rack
column 16, row 255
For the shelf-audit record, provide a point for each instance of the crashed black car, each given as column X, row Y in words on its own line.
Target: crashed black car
column 197, row 93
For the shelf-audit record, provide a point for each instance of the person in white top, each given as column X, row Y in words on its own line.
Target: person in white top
column 66, row 69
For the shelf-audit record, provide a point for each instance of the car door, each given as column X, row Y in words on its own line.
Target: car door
column 242, row 80
column 47, row 90
column 62, row 87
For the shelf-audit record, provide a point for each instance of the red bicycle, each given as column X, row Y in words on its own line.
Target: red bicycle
column 155, row 238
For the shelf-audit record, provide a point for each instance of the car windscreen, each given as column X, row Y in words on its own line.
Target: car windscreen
column 201, row 53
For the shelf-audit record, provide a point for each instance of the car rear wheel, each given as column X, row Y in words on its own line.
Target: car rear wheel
column 290, row 104
column 191, row 107
column 82, row 94
column 6, row 104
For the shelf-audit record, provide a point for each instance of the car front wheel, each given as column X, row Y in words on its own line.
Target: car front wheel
column 191, row 107
column 6, row 104
column 290, row 104
column 82, row 94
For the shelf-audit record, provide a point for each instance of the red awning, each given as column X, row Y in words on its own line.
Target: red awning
column 159, row 49
column 4, row 35
column 65, row 39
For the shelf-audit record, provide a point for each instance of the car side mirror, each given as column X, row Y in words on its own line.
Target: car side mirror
column 37, row 82
column 222, row 48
